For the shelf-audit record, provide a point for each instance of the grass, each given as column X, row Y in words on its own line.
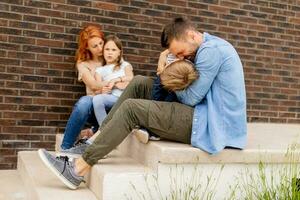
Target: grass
column 266, row 182
column 181, row 187
column 272, row 182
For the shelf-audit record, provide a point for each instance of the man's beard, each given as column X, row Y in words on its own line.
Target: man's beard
column 191, row 57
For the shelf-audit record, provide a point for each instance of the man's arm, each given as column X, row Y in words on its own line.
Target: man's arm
column 207, row 63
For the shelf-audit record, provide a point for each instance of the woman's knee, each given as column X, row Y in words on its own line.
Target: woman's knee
column 84, row 103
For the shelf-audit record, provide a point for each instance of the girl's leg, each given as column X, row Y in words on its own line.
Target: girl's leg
column 102, row 102
column 81, row 112
column 171, row 121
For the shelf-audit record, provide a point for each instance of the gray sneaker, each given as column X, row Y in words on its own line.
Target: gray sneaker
column 62, row 168
column 76, row 151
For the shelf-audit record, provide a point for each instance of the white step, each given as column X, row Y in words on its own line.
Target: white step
column 113, row 177
column 11, row 186
column 267, row 142
column 41, row 184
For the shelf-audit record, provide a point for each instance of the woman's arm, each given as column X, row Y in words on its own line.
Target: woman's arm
column 106, row 86
column 88, row 79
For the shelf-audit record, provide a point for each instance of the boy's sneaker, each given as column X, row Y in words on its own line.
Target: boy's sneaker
column 142, row 135
column 62, row 168
column 154, row 138
column 76, row 151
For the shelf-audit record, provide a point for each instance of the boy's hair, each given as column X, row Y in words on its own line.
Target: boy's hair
column 178, row 75
column 118, row 43
column 175, row 30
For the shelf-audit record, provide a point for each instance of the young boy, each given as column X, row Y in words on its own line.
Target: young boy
column 176, row 75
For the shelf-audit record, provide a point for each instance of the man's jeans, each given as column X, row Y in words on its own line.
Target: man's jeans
column 82, row 113
column 169, row 120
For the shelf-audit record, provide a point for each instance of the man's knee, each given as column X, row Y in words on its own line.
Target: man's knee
column 129, row 106
column 138, row 80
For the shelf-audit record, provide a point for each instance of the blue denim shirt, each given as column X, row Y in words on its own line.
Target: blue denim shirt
column 219, row 97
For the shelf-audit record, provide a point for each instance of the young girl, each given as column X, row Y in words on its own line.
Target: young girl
column 88, row 57
column 115, row 76
column 112, row 79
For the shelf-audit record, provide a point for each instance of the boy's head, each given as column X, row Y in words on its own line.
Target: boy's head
column 178, row 75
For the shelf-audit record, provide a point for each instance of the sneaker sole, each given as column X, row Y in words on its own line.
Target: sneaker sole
column 54, row 170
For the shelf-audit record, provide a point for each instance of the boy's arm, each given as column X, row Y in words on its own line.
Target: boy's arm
column 162, row 61
column 207, row 63
column 158, row 92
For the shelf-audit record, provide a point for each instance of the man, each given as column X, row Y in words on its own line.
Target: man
column 212, row 115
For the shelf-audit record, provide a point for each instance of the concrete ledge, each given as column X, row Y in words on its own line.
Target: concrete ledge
column 12, row 187
column 266, row 142
column 112, row 177
column 41, row 184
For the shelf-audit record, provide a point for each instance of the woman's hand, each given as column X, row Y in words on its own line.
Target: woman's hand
column 106, row 89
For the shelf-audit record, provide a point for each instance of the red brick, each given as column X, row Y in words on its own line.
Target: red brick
column 105, row 6
column 38, row 40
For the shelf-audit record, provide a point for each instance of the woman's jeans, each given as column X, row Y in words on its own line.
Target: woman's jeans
column 102, row 103
column 83, row 112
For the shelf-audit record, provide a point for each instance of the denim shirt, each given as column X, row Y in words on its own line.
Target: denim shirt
column 218, row 96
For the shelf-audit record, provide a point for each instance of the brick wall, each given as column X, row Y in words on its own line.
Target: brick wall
column 38, row 83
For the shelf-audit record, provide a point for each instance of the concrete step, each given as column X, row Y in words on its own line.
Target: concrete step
column 267, row 142
column 12, row 187
column 113, row 177
column 41, row 184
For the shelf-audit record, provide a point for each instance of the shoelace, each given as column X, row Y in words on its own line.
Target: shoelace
column 66, row 161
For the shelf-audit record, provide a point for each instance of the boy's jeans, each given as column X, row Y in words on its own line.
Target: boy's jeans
column 82, row 113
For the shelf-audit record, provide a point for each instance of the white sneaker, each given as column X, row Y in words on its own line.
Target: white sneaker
column 142, row 135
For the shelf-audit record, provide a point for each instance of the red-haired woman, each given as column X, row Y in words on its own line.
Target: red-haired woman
column 89, row 56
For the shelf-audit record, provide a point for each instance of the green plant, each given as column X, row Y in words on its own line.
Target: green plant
column 182, row 186
column 280, row 182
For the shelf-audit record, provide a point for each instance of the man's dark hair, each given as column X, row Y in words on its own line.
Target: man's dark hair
column 175, row 30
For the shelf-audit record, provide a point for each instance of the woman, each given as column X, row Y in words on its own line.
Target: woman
column 89, row 56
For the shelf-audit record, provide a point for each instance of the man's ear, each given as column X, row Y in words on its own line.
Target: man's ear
column 190, row 34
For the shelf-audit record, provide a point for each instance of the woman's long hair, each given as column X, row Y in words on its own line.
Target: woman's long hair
column 89, row 32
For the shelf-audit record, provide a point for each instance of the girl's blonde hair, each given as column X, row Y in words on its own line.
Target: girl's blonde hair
column 178, row 75
column 118, row 43
column 87, row 33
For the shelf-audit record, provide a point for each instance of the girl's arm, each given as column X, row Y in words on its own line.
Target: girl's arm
column 87, row 78
column 124, row 80
column 105, row 87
